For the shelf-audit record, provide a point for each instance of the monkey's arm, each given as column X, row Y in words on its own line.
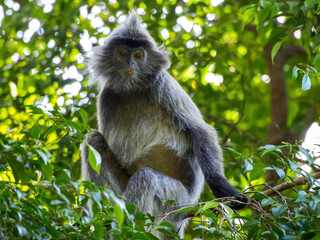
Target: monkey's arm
column 111, row 173
column 209, row 154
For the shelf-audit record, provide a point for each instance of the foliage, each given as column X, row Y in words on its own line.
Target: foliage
column 47, row 106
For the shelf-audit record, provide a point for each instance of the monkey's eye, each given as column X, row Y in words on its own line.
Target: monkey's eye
column 122, row 53
column 138, row 55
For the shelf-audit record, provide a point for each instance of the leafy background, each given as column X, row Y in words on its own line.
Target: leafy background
column 251, row 67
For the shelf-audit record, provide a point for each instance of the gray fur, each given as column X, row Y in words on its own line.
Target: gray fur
column 153, row 141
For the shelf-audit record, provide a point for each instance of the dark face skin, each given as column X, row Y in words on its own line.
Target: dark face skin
column 130, row 60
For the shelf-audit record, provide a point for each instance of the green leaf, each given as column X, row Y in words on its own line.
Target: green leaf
column 35, row 110
column 257, row 172
column 280, row 172
column 18, row 170
column 246, row 7
column 309, row 3
column 278, row 209
column 46, row 170
column 22, row 230
column 131, row 208
column 294, row 73
column 271, row 148
column 35, row 131
column 170, row 202
column 52, row 129
column 73, row 125
column 313, row 69
column 248, row 166
column 309, row 178
column 306, row 82
column 209, row 205
column 118, row 215
column 263, row 14
column 275, row 49
column 211, row 215
column 201, row 227
column 267, row 201
column 139, row 235
column 56, row 202
column 289, row 237
column 235, row 152
column 310, row 235
column 94, row 158
column 293, row 165
column 168, row 233
column 278, row 34
column 266, row 3
column 43, row 156
column 316, row 59
column 187, row 209
column 248, row 15
column 99, row 230
column 83, row 114
column 307, row 154
column 167, row 224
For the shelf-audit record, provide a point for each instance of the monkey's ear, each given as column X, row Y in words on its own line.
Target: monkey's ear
column 95, row 66
column 161, row 57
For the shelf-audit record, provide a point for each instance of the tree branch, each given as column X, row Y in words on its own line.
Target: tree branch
column 289, row 184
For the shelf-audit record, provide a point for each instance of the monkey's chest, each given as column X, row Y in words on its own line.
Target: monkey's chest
column 133, row 132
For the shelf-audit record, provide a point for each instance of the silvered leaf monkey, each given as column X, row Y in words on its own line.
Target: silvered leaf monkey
column 152, row 138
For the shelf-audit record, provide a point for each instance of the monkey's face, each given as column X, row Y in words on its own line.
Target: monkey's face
column 127, row 64
column 130, row 61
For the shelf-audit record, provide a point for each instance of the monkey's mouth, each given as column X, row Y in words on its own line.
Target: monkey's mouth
column 128, row 73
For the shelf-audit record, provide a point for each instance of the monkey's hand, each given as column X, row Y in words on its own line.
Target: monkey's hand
column 111, row 173
column 240, row 202
column 97, row 140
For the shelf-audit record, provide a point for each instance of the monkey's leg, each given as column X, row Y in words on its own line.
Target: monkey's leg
column 148, row 187
column 111, row 174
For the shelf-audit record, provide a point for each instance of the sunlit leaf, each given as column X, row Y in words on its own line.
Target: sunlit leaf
column 280, row 172
column 271, row 148
column 307, row 154
column 293, row 165
column 43, row 156
column 248, row 166
column 248, row 15
column 275, row 49
column 295, row 73
column 52, row 129
column 306, row 82
column 94, row 158
column 119, row 215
